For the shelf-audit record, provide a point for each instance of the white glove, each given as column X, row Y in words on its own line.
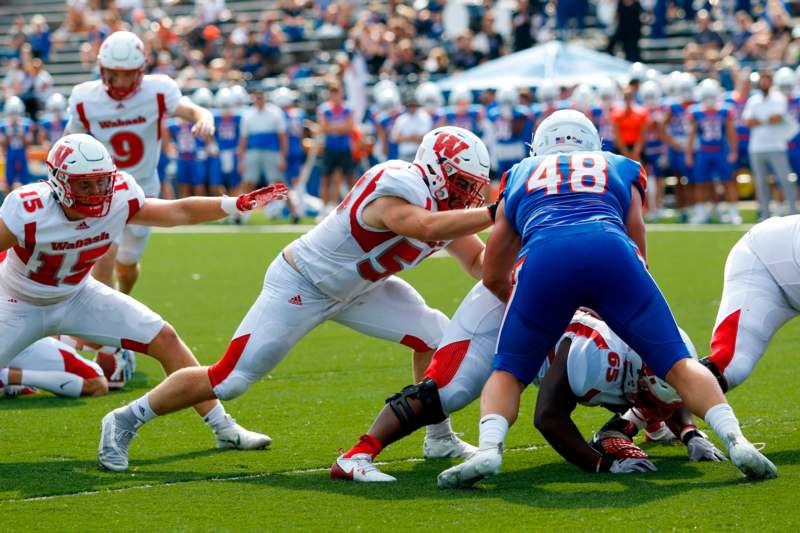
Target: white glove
column 631, row 465
column 702, row 449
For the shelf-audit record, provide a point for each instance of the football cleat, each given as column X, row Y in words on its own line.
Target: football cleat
column 116, row 434
column 118, row 366
column 358, row 468
column 749, row 460
column 236, row 437
column 449, row 446
column 17, row 390
column 484, row 462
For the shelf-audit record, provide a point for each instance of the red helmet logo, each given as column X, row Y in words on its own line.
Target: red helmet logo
column 60, row 154
column 449, row 145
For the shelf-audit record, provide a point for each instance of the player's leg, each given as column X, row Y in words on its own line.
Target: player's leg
column 394, row 310
column 21, row 324
column 131, row 249
column 633, row 306
column 752, row 309
column 56, row 367
column 184, row 169
column 760, row 167
column 781, row 170
column 731, row 192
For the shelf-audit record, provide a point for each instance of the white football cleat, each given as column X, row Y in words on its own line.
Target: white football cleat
column 237, row 437
column 449, row 446
column 116, row 435
column 749, row 460
column 484, row 462
column 358, row 468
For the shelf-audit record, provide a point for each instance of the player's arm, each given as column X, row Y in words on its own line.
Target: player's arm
column 501, row 252
column 7, row 239
column 468, row 251
column 197, row 209
column 691, row 135
column 396, row 214
column 202, row 118
column 554, row 406
column 698, row 445
column 634, row 222
column 733, row 141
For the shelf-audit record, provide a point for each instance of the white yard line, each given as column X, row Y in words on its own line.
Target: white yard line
column 244, row 477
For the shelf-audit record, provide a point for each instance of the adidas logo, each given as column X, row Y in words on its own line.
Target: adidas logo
column 83, row 225
column 12, row 301
column 296, row 300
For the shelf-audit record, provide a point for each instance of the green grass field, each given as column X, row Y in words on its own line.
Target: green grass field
column 327, row 392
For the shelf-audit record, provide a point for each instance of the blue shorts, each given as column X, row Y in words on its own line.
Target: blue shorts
column 710, row 165
column 677, row 164
column 163, row 162
column 189, row 172
column 594, row 265
column 17, row 169
column 794, row 159
column 211, row 172
column 294, row 164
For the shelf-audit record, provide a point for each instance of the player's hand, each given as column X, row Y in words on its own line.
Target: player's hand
column 619, row 454
column 632, row 466
column 261, row 197
column 689, row 160
column 732, row 157
column 700, row 448
column 282, row 165
column 204, row 127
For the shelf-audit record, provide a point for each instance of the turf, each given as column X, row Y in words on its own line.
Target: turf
column 327, row 392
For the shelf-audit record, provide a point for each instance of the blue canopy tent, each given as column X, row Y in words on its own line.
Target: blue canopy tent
column 563, row 63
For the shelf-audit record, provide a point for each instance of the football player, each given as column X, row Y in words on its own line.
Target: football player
column 512, row 125
column 16, row 135
column 51, row 127
column 463, row 363
column 388, row 109
column 711, row 130
column 186, row 149
column 736, row 99
column 463, row 113
column 676, row 122
column 429, row 96
column 343, row 270
column 607, row 93
column 572, row 215
column 227, row 121
column 786, row 82
column 547, row 101
column 654, row 147
column 125, row 110
column 57, row 230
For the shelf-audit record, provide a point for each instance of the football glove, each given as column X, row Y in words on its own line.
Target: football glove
column 700, row 448
column 255, row 199
column 631, row 466
column 619, row 455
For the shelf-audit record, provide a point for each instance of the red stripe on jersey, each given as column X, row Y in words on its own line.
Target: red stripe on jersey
column 641, row 182
column 219, row 371
column 82, row 116
column 162, row 110
column 365, row 238
column 723, row 342
column 446, row 362
column 133, row 208
column 25, row 253
column 589, row 395
column 136, row 346
column 582, row 330
column 3, row 255
column 415, row 343
column 74, row 365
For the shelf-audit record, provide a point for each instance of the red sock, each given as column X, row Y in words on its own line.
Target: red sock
column 652, row 428
column 366, row 444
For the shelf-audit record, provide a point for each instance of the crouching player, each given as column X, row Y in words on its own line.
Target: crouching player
column 572, row 215
column 57, row 230
column 587, row 353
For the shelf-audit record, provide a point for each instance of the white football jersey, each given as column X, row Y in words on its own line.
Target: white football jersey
column 130, row 128
column 343, row 256
column 776, row 241
column 53, row 254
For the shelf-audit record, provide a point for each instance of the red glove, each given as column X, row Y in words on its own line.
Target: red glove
column 255, row 199
column 621, row 448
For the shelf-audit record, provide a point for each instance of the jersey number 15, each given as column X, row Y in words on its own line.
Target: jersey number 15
column 585, row 172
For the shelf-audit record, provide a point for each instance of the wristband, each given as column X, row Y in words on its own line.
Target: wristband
column 492, row 210
column 604, row 463
column 228, row 204
column 688, row 433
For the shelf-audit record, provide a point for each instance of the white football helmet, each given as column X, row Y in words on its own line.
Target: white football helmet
column 385, row 85
column 708, row 92
column 13, row 107
column 225, row 99
column 672, row 83
column 455, row 164
column 81, row 174
column 121, row 51
column 637, row 72
column 607, row 91
column 685, row 86
column 460, row 96
column 650, row 93
column 429, row 96
column 785, row 80
column 582, row 96
column 203, row 97
column 241, row 96
column 387, row 99
column 566, row 130
column 547, row 92
column 56, row 103
column 283, row 97
column 507, row 97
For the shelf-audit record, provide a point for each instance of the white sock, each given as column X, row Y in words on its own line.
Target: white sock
column 724, row 423
column 439, row 431
column 59, row 383
column 493, row 429
column 140, row 409
column 632, row 415
column 217, row 418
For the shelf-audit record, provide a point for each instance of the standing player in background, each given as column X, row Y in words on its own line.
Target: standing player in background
column 286, row 99
column 184, row 147
column 227, row 124
column 335, row 119
column 207, row 151
column 629, row 122
column 571, row 215
column 410, row 128
column 655, row 151
column 389, row 109
column 786, row 83
column 16, row 135
column 126, row 111
column 547, row 101
column 51, row 127
column 676, row 121
column 601, row 114
column 737, row 99
column 513, row 126
column 429, row 96
column 711, row 130
column 463, row 113
column 582, row 99
column 166, row 168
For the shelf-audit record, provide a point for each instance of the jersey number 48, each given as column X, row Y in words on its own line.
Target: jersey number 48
column 586, row 172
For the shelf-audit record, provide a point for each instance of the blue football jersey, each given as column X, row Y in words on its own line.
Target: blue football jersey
column 567, row 189
column 16, row 133
column 469, row 120
column 227, row 130
column 188, row 146
column 295, row 120
column 710, row 126
column 53, row 127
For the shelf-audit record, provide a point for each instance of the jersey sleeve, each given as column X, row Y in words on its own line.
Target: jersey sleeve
column 75, row 123
column 172, row 94
column 12, row 214
column 403, row 185
column 130, row 193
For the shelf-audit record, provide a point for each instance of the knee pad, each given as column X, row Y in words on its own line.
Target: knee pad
column 233, row 386
column 709, row 364
column 427, row 393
